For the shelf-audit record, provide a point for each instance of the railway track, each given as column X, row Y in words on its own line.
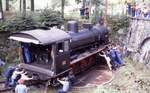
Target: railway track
column 3, row 89
column 11, row 90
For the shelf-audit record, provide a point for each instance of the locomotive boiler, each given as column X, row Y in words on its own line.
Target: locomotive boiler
column 53, row 53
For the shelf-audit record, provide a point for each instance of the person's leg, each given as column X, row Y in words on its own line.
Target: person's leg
column 7, row 82
column 113, row 64
column 12, row 82
column 119, row 60
column 60, row 91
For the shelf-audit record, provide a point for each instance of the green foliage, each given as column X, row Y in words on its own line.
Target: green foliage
column 19, row 24
column 118, row 23
column 44, row 18
column 58, row 3
column 78, row 1
column 50, row 18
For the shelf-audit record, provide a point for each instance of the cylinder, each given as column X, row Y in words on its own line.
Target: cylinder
column 72, row 26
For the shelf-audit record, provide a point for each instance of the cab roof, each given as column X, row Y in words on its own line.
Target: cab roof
column 40, row 36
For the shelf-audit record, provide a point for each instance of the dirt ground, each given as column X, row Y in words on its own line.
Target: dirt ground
column 132, row 78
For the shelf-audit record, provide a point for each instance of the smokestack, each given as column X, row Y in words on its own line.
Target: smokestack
column 72, row 26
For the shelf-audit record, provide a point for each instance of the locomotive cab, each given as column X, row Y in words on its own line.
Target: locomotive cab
column 44, row 51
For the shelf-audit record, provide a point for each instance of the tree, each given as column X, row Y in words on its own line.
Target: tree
column 59, row 4
column 32, row 5
column 20, row 5
column 62, row 7
column 7, row 5
column 24, row 8
column 1, row 11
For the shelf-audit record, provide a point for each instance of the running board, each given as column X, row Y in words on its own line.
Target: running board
column 37, row 69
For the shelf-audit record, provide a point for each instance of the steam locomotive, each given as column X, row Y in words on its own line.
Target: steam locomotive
column 53, row 53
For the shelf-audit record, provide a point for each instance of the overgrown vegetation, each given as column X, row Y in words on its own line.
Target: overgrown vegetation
column 44, row 18
column 118, row 24
column 50, row 18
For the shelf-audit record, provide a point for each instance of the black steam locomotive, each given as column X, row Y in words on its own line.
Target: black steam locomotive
column 53, row 53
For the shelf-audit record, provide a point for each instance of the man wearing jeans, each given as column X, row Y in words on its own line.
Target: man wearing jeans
column 66, row 85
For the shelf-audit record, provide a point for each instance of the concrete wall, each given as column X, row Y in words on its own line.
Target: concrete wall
column 139, row 40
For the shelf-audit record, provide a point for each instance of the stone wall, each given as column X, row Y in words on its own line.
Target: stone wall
column 138, row 40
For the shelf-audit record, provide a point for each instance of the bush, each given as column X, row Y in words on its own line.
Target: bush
column 19, row 23
column 118, row 23
column 50, row 18
column 44, row 18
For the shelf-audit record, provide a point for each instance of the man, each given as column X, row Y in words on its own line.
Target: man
column 71, row 78
column 82, row 11
column 112, row 55
column 21, row 88
column 14, row 76
column 2, row 63
column 115, row 57
column 66, row 85
column 108, row 60
column 129, row 8
column 8, row 73
column 119, row 56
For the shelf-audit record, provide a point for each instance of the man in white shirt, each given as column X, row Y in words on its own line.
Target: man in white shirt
column 21, row 88
column 108, row 60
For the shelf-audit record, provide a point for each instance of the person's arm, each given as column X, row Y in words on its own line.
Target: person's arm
column 27, row 78
column 19, row 72
column 16, row 90
column 100, row 54
column 26, row 90
column 62, row 82
column 103, row 55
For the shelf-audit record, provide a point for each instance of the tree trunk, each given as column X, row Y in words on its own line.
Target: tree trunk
column 20, row 5
column 24, row 8
column 96, row 11
column 106, row 8
column 90, row 14
column 32, row 5
column 1, row 11
column 84, row 2
column 7, row 5
column 62, row 7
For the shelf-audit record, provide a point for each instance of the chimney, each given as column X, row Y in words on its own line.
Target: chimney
column 72, row 26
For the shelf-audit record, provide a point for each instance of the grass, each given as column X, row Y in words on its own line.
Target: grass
column 132, row 78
